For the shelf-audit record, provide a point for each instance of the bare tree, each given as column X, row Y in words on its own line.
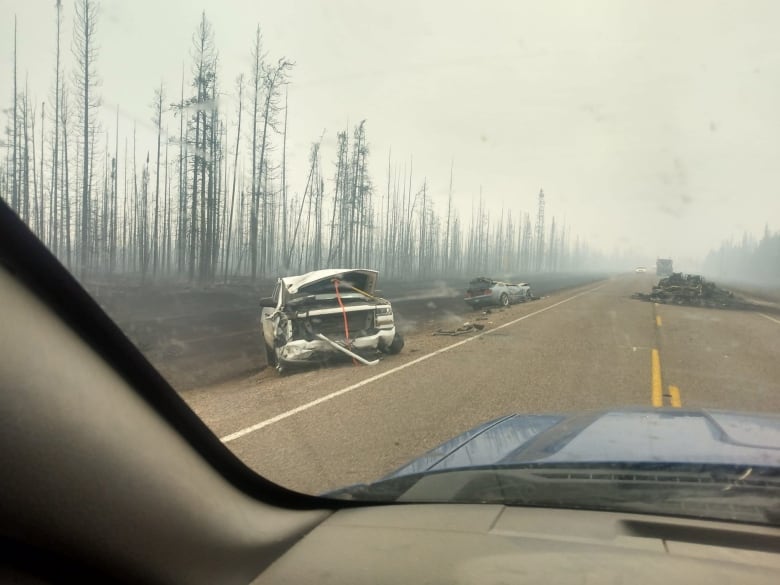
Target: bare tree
column 167, row 223
column 257, row 77
column 112, row 245
column 312, row 167
column 42, row 229
column 37, row 204
column 284, row 177
column 159, row 97
column 125, row 213
column 26, row 164
column 181, row 227
column 273, row 78
column 336, row 224
column 240, row 84
column 66, row 177
column 15, row 156
column 85, row 51
column 201, row 103
column 55, row 202
column 143, row 221
column 447, row 229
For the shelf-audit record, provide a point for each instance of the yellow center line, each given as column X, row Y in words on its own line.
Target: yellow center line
column 658, row 320
column 656, row 395
column 674, row 393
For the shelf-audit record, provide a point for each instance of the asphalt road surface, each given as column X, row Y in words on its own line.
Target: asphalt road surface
column 590, row 347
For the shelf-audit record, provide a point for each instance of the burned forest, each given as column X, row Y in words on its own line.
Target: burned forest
column 212, row 197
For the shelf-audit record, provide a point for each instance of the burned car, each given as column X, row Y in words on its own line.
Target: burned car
column 316, row 316
column 483, row 291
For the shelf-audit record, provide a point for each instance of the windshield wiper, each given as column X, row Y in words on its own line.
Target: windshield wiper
column 723, row 492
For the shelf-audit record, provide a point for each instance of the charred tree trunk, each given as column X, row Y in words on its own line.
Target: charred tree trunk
column 56, row 150
column 254, row 201
column 158, row 105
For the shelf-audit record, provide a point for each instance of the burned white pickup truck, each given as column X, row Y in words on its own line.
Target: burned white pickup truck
column 314, row 317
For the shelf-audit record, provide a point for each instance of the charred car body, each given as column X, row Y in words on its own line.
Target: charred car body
column 316, row 316
column 483, row 291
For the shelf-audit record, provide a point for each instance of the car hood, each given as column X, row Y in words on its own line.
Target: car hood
column 621, row 436
column 366, row 277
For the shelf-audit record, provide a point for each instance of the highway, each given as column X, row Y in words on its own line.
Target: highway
column 590, row 347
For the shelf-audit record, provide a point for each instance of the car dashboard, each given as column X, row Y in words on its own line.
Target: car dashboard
column 490, row 544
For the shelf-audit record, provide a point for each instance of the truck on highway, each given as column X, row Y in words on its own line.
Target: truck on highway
column 663, row 267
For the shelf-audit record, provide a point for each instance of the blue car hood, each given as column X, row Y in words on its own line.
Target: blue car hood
column 618, row 436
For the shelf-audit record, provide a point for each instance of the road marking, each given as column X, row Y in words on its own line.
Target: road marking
column 656, row 396
column 674, row 392
column 770, row 318
column 332, row 395
column 658, row 320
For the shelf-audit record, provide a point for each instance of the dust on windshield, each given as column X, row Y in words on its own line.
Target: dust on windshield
column 570, row 208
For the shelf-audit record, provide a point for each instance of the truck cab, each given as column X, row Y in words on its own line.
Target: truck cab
column 663, row 267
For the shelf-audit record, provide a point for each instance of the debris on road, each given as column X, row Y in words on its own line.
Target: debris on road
column 692, row 290
column 462, row 330
column 345, row 351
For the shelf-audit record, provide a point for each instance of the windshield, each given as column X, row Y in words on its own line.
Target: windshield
column 375, row 241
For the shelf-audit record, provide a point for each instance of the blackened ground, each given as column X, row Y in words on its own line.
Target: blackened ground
column 197, row 336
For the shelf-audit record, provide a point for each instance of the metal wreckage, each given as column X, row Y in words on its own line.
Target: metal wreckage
column 692, row 290
column 320, row 315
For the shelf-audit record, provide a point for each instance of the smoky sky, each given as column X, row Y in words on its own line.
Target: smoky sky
column 652, row 127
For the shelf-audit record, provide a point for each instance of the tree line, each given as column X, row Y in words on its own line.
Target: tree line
column 747, row 260
column 209, row 202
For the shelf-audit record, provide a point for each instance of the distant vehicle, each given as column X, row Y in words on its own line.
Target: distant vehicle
column 483, row 291
column 316, row 316
column 640, row 269
column 663, row 267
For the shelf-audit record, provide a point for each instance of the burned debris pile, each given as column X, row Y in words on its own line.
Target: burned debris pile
column 462, row 330
column 692, row 290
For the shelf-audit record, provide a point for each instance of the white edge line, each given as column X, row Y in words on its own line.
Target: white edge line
column 770, row 318
column 331, row 396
